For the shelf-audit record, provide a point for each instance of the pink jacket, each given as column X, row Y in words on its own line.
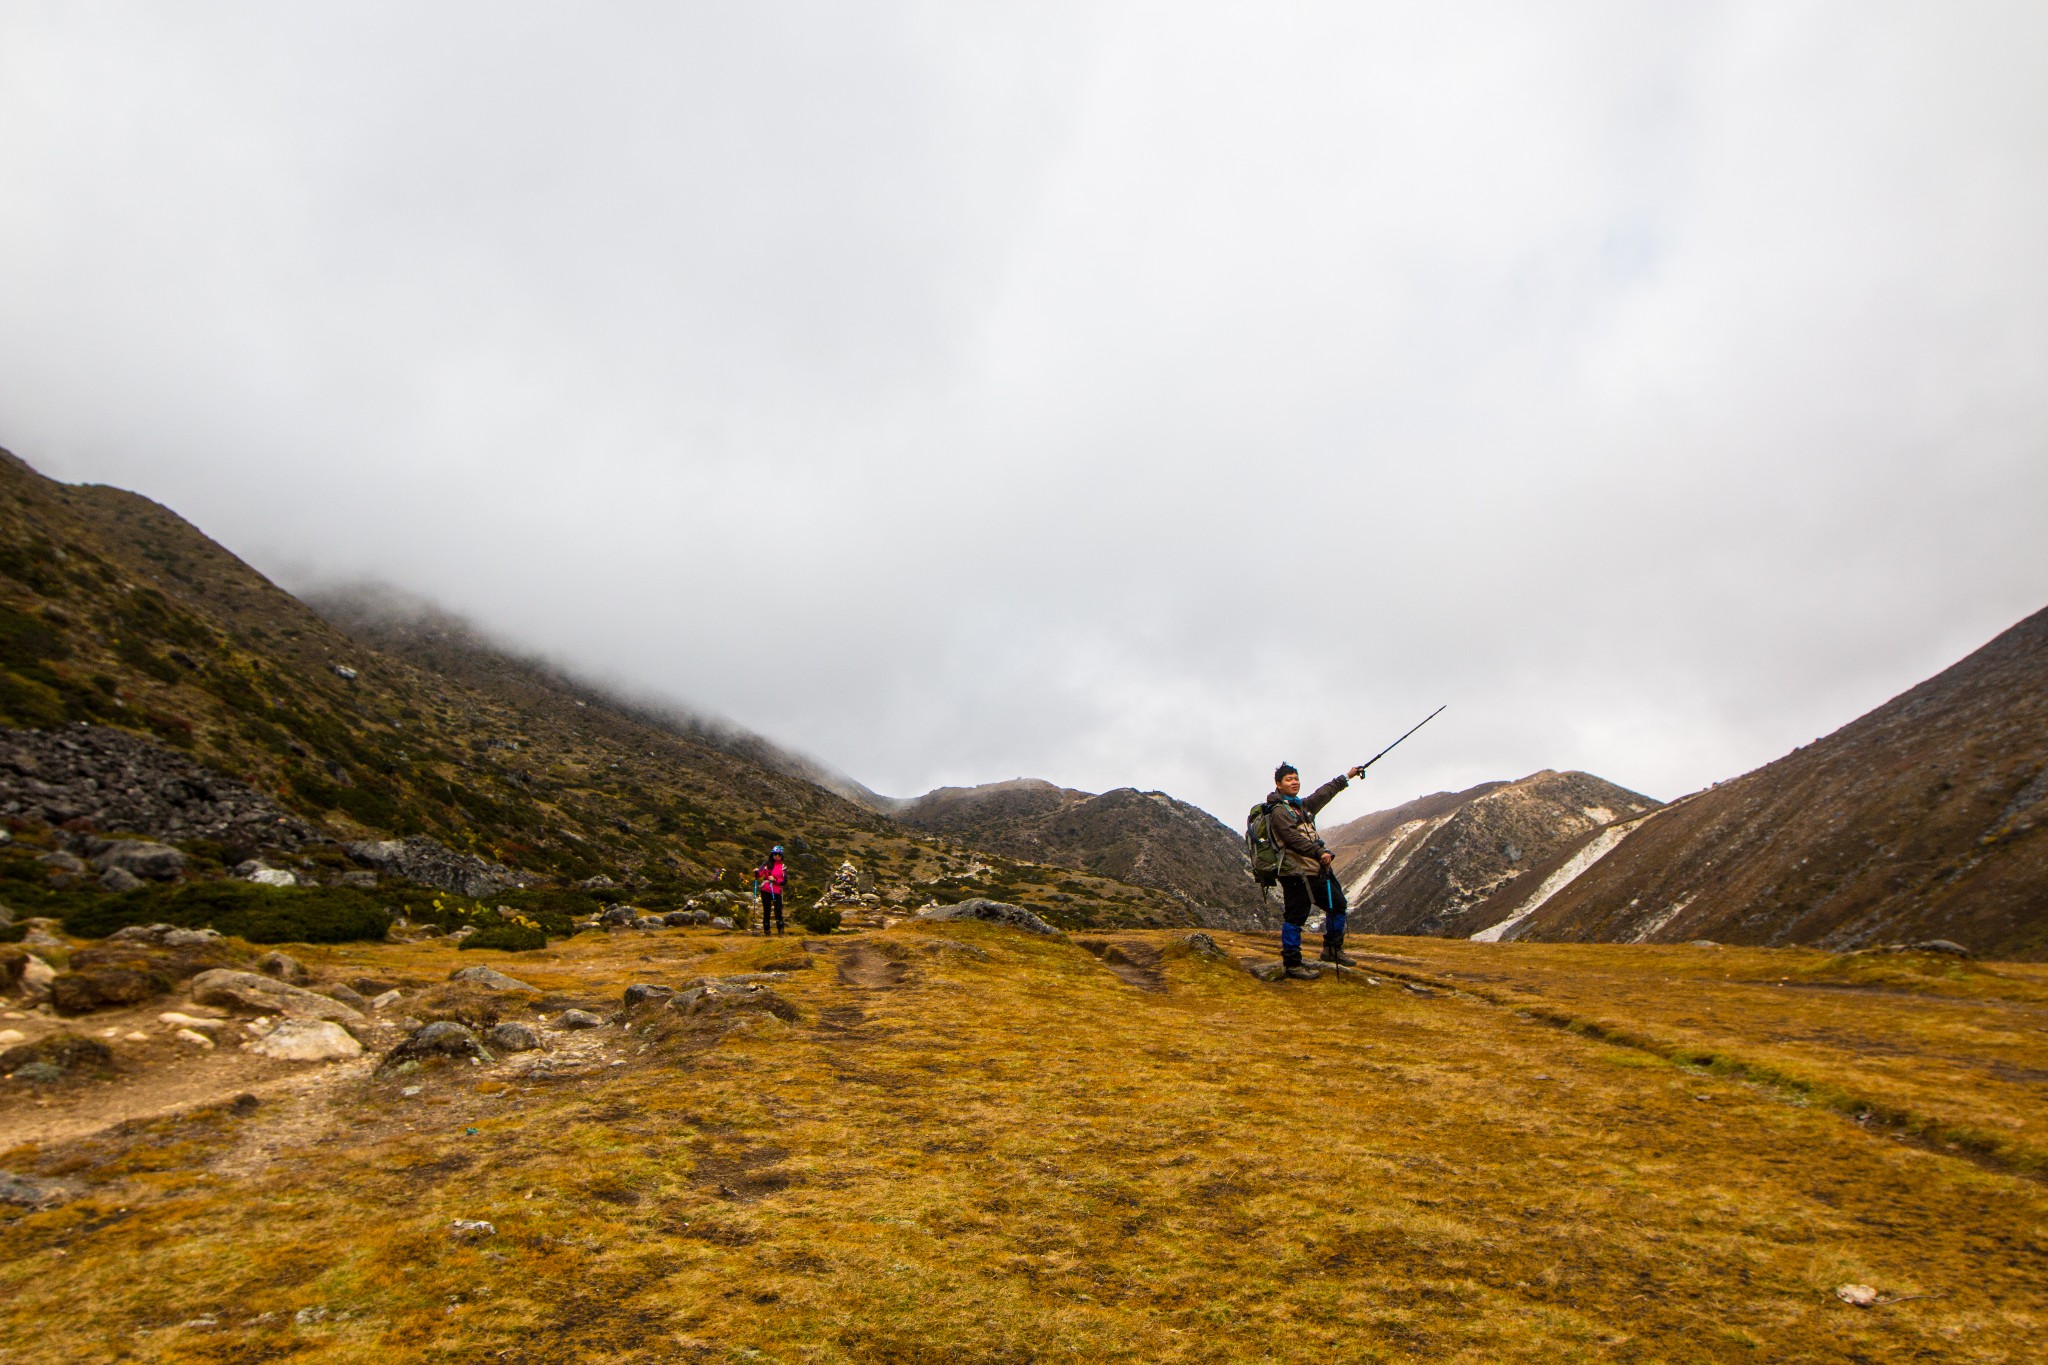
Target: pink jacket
column 772, row 877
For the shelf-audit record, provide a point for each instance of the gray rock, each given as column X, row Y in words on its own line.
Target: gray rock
column 347, row 995
column 142, row 858
column 386, row 999
column 307, row 1040
column 284, row 967
column 191, row 938
column 443, row 1038
column 578, row 1019
column 143, row 933
column 640, row 991
column 359, row 877
column 992, row 912
column 471, row 1230
column 119, row 880
column 247, row 990
column 1268, row 971
column 44, row 1073
column 1940, row 945
column 720, row 922
column 61, row 861
column 27, row 1192
column 490, row 978
column 618, row 916
column 511, row 1037
column 1201, row 945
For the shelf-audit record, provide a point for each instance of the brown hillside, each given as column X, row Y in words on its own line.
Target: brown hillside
column 1922, row 819
column 116, row 611
column 1423, row 868
column 1144, row 838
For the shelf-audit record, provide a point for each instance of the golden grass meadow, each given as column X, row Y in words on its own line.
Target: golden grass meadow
column 975, row 1145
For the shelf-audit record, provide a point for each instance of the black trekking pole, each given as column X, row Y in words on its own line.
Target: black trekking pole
column 1390, row 748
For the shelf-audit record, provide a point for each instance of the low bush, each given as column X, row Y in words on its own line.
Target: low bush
column 516, row 935
column 257, row 914
column 817, row 919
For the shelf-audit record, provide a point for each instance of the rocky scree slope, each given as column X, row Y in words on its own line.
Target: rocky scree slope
column 1144, row 838
column 117, row 612
column 1923, row 819
column 1425, row 867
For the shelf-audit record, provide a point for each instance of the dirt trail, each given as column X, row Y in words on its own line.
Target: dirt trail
column 863, row 968
column 1131, row 960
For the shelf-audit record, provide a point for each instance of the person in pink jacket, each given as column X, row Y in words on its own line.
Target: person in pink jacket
column 770, row 879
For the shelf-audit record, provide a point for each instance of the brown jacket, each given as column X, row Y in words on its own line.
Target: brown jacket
column 1293, row 824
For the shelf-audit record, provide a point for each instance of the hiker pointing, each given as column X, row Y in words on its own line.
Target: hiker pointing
column 1300, row 863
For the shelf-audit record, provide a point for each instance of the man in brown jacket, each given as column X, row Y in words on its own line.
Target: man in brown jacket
column 1306, row 882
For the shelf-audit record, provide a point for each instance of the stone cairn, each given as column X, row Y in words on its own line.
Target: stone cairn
column 852, row 893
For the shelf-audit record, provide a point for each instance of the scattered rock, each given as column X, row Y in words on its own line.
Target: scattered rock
column 1859, row 1295
column 30, row 1193
column 471, row 1230
column 191, row 938
column 641, row 991
column 119, row 881
column 10, row 1036
column 440, row 1039
column 1201, row 945
column 195, row 1038
column 61, row 1053
column 306, row 1317
column 42, row 1073
column 284, row 967
column 275, row 876
column 66, row 864
column 993, row 912
column 511, row 1037
column 36, row 976
column 490, row 978
column 247, row 990
column 307, row 1040
column 1938, row 945
column 578, row 1019
column 720, row 922
column 1267, row 971
column 142, row 933
column 715, row 998
column 618, row 917
column 387, row 999
column 359, row 877
column 372, row 986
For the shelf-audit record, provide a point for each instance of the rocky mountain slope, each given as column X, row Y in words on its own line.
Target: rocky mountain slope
column 116, row 612
column 1424, row 867
column 1923, row 819
column 1144, row 838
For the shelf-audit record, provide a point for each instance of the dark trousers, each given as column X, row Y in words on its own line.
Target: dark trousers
column 1298, row 897
column 771, row 904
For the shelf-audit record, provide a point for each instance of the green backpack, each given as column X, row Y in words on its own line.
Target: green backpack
column 1259, row 845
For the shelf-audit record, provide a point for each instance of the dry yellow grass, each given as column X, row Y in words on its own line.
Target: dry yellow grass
column 979, row 1146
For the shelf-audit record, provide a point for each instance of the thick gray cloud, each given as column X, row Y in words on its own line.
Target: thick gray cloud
column 1118, row 394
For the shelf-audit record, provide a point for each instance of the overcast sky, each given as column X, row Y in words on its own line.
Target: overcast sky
column 1119, row 394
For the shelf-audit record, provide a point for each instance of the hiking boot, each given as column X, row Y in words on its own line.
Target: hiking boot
column 1301, row 971
column 1338, row 956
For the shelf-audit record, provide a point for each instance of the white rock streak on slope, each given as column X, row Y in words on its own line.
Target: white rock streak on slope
column 1598, row 847
column 1655, row 925
column 1419, row 829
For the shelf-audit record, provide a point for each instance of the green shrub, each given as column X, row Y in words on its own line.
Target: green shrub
column 13, row 933
column 817, row 919
column 510, row 935
column 259, row 914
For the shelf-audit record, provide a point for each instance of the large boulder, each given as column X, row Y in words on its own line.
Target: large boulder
column 429, row 863
column 307, row 1040
column 512, row 1037
column 992, row 912
column 127, row 972
column 249, row 991
column 139, row 858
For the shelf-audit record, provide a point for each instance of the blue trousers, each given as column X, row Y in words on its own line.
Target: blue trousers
column 1301, row 895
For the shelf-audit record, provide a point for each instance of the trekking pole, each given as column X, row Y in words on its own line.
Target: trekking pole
column 1390, row 748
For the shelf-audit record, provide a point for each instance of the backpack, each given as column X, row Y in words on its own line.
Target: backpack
column 1259, row 845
